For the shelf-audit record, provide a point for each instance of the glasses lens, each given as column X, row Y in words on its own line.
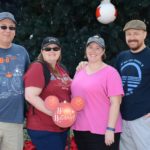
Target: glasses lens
column 56, row 49
column 49, row 49
column 12, row 28
column 5, row 27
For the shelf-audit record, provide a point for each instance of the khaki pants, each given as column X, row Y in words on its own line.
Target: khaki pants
column 11, row 136
column 135, row 134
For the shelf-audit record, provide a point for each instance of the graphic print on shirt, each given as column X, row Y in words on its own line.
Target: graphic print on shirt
column 11, row 70
column 65, row 81
column 131, row 75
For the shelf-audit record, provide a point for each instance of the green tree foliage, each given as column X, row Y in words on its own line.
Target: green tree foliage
column 72, row 21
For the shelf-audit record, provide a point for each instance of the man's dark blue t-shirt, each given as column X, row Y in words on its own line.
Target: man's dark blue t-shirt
column 134, row 69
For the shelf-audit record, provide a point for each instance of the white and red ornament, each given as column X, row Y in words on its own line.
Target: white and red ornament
column 64, row 113
column 106, row 12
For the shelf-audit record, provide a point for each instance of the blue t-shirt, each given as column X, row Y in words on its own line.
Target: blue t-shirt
column 134, row 69
column 13, row 64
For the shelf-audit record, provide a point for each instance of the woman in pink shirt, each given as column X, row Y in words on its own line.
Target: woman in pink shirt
column 98, row 125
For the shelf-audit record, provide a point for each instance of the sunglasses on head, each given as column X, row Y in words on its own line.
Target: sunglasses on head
column 3, row 27
column 51, row 48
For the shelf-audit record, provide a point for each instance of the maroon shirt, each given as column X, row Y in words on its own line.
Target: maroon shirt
column 60, row 87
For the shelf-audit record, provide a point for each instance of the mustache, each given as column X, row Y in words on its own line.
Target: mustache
column 132, row 41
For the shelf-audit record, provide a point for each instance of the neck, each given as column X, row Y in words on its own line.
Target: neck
column 51, row 63
column 95, row 64
column 5, row 45
column 138, row 50
column 92, row 67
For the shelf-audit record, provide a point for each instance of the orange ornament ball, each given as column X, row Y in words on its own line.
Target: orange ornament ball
column 51, row 102
column 77, row 103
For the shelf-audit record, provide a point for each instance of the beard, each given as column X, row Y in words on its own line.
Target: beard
column 134, row 46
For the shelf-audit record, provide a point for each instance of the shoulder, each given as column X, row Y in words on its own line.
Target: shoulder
column 35, row 68
column 123, row 53
column 110, row 68
column 147, row 50
column 19, row 48
column 36, row 65
column 34, row 76
column 111, row 72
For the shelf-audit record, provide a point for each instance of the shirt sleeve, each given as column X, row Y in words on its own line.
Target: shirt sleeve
column 114, row 83
column 34, row 76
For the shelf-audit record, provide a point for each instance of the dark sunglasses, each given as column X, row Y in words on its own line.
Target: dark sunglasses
column 51, row 48
column 10, row 28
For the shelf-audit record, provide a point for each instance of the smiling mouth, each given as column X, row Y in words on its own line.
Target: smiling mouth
column 132, row 41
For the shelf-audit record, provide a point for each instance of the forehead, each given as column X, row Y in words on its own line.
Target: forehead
column 52, row 45
column 134, row 31
column 94, row 44
column 7, row 21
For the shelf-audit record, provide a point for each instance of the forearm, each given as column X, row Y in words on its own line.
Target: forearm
column 114, row 112
column 38, row 103
column 113, row 115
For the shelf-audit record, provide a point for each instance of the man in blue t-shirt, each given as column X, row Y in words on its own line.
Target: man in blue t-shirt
column 134, row 68
column 14, row 61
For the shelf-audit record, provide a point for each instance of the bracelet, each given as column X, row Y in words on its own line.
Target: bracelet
column 111, row 129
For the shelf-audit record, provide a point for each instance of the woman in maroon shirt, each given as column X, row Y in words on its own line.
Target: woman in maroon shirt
column 41, row 128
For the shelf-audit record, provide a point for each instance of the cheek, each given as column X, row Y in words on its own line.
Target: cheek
column 59, row 53
column 13, row 34
column 102, row 53
column 45, row 55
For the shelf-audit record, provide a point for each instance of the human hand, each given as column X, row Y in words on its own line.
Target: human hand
column 81, row 65
column 109, row 137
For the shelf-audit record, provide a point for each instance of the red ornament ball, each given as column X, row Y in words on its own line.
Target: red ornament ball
column 64, row 115
column 51, row 102
column 77, row 103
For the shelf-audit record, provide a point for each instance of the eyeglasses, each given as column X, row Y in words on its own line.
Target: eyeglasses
column 51, row 48
column 6, row 27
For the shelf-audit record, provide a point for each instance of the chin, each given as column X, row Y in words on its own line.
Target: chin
column 135, row 48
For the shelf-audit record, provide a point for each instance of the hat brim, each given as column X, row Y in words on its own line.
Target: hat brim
column 51, row 42
column 9, row 19
column 96, row 43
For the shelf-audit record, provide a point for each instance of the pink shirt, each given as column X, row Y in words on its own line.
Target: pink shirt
column 96, row 89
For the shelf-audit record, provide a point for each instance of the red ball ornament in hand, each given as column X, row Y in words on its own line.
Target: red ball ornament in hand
column 51, row 102
column 106, row 12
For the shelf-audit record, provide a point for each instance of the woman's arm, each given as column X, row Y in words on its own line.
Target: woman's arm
column 32, row 96
column 113, row 116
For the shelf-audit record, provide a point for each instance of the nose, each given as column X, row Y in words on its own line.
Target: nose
column 7, row 30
